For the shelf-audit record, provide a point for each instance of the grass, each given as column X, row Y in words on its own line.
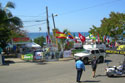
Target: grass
column 77, row 51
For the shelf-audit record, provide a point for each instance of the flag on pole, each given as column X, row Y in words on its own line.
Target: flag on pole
column 48, row 40
column 98, row 38
column 82, row 38
column 61, row 35
column 70, row 36
column 91, row 36
column 108, row 40
column 104, row 38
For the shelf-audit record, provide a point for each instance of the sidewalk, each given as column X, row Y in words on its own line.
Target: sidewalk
column 18, row 60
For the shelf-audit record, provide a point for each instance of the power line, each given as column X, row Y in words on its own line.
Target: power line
column 34, row 21
column 39, row 15
column 34, row 25
column 97, row 5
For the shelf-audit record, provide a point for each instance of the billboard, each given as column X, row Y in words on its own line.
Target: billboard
column 20, row 40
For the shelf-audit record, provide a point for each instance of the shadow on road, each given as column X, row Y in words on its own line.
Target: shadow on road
column 89, row 81
column 8, row 62
column 118, row 77
column 108, row 61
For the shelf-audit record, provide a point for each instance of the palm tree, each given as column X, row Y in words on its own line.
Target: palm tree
column 62, row 42
column 8, row 23
column 7, row 18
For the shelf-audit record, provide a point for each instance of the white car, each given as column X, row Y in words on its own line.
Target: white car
column 88, row 54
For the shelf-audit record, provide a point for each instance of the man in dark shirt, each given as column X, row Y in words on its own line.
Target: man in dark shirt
column 94, row 65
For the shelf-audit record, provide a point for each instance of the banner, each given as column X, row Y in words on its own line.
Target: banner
column 67, row 53
column 115, row 52
column 21, row 40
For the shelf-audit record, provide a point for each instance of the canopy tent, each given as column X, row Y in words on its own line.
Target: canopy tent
column 33, row 45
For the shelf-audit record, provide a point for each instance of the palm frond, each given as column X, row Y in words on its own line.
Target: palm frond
column 0, row 5
column 17, row 21
column 10, row 5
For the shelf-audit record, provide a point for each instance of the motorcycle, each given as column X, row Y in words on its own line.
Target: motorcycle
column 115, row 70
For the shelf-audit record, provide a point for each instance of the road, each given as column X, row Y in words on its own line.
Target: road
column 56, row 72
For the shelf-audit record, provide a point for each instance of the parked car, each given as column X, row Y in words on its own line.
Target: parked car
column 87, row 55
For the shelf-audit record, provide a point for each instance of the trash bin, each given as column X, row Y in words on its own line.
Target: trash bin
column 3, row 61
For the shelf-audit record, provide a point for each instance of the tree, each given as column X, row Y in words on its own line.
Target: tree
column 8, row 24
column 40, row 41
column 112, row 26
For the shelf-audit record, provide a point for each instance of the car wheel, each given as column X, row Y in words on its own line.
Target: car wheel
column 85, row 60
column 101, row 59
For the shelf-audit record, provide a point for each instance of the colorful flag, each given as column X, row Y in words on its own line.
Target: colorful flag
column 61, row 35
column 98, row 38
column 82, row 38
column 91, row 36
column 48, row 40
column 108, row 40
column 104, row 38
column 70, row 36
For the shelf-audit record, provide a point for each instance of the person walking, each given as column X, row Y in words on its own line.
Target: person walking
column 80, row 67
column 94, row 66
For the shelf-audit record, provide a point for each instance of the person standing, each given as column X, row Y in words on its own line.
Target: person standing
column 94, row 66
column 80, row 67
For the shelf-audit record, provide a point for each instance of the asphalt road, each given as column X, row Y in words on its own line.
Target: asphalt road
column 56, row 72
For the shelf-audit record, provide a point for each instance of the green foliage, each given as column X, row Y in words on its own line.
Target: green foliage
column 9, row 24
column 40, row 41
column 68, row 46
column 77, row 50
column 112, row 26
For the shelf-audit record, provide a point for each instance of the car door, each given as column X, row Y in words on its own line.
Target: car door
column 97, row 54
column 92, row 54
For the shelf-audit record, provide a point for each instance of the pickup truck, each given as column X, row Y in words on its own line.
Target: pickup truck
column 88, row 54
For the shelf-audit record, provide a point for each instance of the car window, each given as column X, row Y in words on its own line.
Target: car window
column 92, row 52
column 97, row 51
column 86, row 51
column 101, row 50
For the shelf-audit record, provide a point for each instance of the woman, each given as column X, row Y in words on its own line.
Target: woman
column 94, row 66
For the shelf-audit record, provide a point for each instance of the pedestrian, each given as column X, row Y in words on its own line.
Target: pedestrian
column 94, row 66
column 80, row 67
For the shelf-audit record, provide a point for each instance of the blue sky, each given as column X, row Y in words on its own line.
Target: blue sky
column 74, row 15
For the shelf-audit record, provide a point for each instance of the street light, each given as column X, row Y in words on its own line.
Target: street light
column 54, row 30
column 54, row 20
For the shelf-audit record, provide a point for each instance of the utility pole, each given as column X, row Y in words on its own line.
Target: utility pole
column 48, row 29
column 54, row 30
column 53, row 21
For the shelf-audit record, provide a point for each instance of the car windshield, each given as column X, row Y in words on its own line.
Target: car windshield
column 101, row 50
column 86, row 51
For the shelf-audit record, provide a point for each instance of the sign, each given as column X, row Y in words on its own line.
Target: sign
column 67, row 53
column 115, row 52
column 27, row 57
column 21, row 40
column 38, row 55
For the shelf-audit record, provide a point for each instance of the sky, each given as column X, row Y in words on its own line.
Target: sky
column 74, row 15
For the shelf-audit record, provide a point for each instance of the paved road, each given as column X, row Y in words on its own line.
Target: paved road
column 56, row 72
